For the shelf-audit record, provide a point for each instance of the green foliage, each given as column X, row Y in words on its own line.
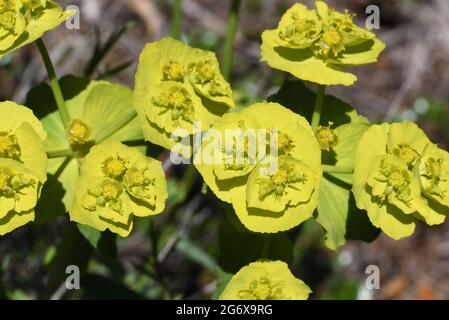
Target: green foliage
column 245, row 231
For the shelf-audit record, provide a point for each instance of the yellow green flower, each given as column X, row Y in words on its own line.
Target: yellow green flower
column 266, row 161
column 22, row 138
column 400, row 176
column 432, row 170
column 318, row 45
column 23, row 164
column 265, row 280
column 327, row 137
column 117, row 183
column 97, row 109
column 24, row 21
column 176, row 86
column 19, row 191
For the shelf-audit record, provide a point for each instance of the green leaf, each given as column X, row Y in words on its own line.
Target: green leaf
column 92, row 235
column 333, row 206
column 300, row 99
column 237, row 248
column 336, row 202
column 223, row 279
column 196, row 254
column 104, row 242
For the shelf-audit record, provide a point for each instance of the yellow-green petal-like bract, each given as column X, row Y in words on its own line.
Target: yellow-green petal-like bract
column 400, row 176
column 23, row 165
column 24, row 21
column 318, row 45
column 266, row 161
column 176, row 87
column 265, row 280
column 19, row 192
column 95, row 111
column 22, row 138
column 116, row 183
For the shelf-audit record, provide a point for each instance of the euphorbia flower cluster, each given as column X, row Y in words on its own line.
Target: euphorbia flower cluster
column 318, row 45
column 265, row 280
column 23, row 162
column 116, row 183
column 401, row 176
column 24, row 21
column 177, row 85
column 265, row 201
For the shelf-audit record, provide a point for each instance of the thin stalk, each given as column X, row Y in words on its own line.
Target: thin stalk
column 176, row 25
column 65, row 117
column 337, row 169
column 318, row 106
column 228, row 53
column 266, row 248
column 60, row 153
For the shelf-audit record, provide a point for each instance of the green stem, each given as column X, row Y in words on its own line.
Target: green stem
column 175, row 30
column 337, row 169
column 228, row 54
column 65, row 117
column 318, row 106
column 266, row 248
column 60, row 153
column 116, row 127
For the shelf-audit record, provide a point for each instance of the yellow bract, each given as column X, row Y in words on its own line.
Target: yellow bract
column 265, row 280
column 176, row 86
column 95, row 112
column 23, row 164
column 318, row 45
column 400, row 176
column 266, row 161
column 117, row 183
column 24, row 21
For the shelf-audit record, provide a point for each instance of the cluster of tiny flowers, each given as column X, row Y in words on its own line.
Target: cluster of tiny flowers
column 22, row 165
column 314, row 45
column 400, row 176
column 327, row 137
column 265, row 280
column 275, row 187
column 23, row 21
column 185, row 86
column 118, row 182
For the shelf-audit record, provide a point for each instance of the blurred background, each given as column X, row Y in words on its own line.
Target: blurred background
column 175, row 254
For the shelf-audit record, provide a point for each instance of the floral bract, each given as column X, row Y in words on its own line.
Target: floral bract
column 117, row 183
column 265, row 280
column 176, row 86
column 23, row 165
column 318, row 45
column 264, row 200
column 24, row 21
column 400, row 176
column 94, row 112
